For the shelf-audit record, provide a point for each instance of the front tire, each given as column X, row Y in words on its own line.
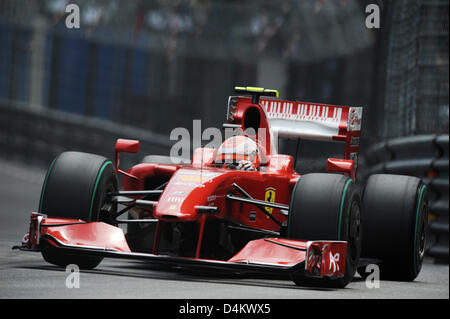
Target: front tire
column 327, row 207
column 76, row 187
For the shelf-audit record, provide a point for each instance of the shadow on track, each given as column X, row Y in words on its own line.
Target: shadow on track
column 187, row 275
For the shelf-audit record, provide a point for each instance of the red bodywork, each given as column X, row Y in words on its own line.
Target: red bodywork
column 201, row 184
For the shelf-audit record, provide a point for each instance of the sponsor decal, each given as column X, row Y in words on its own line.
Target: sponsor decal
column 334, row 262
column 354, row 141
column 196, row 176
column 269, row 197
column 175, row 199
column 193, row 179
column 354, row 119
column 188, row 184
column 179, row 193
column 302, row 111
column 26, row 239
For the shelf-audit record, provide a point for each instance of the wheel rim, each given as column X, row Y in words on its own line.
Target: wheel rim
column 422, row 233
column 419, row 233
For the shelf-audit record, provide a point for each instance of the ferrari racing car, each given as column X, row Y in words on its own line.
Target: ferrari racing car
column 241, row 207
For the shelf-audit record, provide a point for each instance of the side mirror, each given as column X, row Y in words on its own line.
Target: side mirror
column 346, row 167
column 125, row 146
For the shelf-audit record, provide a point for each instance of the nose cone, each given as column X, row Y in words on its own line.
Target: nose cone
column 187, row 188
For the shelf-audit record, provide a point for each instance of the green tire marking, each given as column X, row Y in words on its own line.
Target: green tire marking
column 342, row 207
column 95, row 187
column 416, row 225
column 45, row 184
column 289, row 215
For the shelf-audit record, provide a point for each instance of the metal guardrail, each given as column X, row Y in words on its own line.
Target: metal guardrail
column 37, row 135
column 424, row 156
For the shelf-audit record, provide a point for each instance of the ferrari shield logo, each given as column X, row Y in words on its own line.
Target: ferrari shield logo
column 269, row 197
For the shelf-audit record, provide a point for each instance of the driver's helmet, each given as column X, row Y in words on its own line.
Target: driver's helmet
column 236, row 149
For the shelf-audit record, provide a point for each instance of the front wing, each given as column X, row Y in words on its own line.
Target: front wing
column 266, row 255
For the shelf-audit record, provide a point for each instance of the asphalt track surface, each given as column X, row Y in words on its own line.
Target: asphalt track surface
column 27, row 275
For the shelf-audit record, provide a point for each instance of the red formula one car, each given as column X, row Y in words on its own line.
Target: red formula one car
column 241, row 207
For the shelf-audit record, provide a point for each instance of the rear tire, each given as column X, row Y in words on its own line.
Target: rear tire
column 395, row 210
column 327, row 207
column 75, row 187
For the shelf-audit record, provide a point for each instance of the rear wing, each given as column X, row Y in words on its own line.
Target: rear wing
column 310, row 121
